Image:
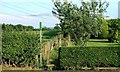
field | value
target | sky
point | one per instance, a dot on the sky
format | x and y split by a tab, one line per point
31	12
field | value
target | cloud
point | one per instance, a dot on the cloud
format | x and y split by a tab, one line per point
40	14
28	20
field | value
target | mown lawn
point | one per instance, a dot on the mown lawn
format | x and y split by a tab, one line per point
101	43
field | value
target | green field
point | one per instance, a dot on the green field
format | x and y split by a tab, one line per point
101	43
48	35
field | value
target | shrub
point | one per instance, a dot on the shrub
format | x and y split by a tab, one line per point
20	48
113	25
75	57
105	29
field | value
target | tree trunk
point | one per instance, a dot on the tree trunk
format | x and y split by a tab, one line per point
60	40
9	62
69	40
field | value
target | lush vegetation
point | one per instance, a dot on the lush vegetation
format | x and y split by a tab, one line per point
114	27
19	27
93	43
20	48
76	57
80	23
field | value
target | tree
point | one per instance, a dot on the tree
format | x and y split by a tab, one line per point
105	31
81	22
119	29
19	27
113	30
46	28
57	27
3	26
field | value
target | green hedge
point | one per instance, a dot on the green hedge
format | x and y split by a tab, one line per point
73	57
20	48
19	27
114	26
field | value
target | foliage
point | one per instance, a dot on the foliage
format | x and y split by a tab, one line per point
19	27
50	34
81	22
75	57
119	29
57	27
20	48
46	29
105	29
113	29
54	54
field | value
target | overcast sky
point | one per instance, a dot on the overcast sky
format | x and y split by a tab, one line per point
31	12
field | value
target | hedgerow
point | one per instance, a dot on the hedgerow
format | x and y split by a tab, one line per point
75	57
113	25
19	27
20	48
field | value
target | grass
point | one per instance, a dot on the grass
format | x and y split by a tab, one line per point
101	43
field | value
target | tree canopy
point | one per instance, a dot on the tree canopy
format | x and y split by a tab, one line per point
80	22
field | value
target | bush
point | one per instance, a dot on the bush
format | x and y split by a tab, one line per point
113	25
75	57
20	48
105	29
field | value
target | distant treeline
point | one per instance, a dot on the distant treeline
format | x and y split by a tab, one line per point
19	27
